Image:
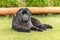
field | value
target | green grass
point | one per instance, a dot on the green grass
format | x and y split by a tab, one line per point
6	33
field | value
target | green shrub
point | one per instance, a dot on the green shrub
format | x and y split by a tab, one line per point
56	2
42	3
8	3
36	3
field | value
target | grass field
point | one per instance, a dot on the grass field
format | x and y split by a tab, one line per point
6	33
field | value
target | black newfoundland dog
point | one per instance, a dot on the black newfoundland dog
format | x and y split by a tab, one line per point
23	22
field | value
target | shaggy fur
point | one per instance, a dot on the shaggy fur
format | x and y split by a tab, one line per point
38	24
22	21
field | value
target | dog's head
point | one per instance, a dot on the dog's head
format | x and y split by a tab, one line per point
24	14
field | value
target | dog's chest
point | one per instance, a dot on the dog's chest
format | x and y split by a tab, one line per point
26	26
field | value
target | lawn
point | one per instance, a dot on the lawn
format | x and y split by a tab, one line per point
6	33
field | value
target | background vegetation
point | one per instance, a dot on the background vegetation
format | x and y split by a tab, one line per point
37	2
43	2
8	3
12	3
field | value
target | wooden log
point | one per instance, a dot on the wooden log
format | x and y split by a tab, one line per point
34	10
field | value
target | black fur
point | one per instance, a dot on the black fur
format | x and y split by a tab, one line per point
38	24
47	26
22	21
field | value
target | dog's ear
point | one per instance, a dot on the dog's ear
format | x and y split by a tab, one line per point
19	12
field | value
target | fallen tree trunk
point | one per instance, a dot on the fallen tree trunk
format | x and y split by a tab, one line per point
34	10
